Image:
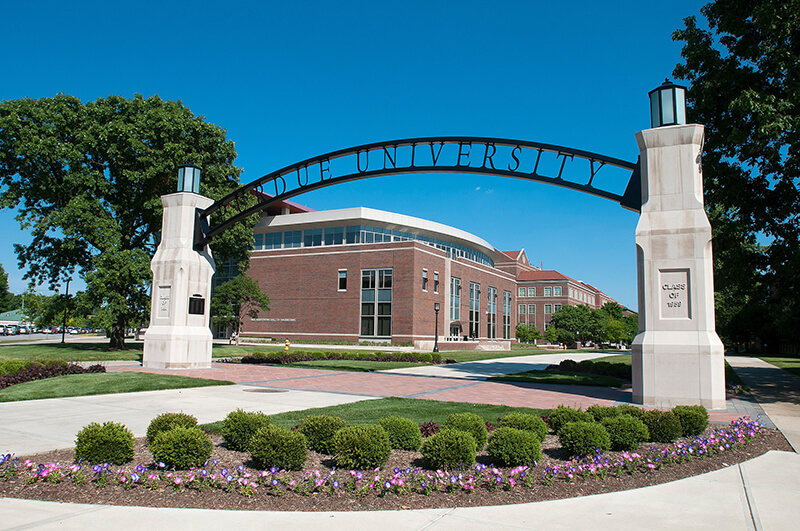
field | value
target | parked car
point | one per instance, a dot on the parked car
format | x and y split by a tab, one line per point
3	330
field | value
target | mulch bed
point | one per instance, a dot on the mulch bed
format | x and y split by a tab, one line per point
262	500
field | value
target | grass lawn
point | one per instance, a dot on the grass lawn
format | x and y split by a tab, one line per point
791	365
371	411
100	352
100	384
562	378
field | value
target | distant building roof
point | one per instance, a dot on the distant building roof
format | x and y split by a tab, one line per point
14	316
512	254
549	274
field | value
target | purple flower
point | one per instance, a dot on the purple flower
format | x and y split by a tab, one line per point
335	484
275	482
273	469
387	485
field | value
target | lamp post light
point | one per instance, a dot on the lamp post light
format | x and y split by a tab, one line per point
436	333
66	301
667	105
189	178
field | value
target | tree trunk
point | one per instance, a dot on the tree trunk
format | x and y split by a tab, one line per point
117	336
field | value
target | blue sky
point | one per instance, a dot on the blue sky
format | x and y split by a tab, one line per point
291	80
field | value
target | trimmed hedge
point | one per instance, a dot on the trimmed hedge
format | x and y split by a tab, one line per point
527	422
693	419
239	427
182	447
514	447
361	447
664	426
599	412
14	372
603	368
319	431
403	433
584	438
449	449
285	358
626	432
167	421
272	446
107	443
564	414
470	423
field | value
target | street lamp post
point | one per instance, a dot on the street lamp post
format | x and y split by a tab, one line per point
66	300
436	333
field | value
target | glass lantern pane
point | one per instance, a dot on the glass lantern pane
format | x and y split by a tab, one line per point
668	107
680	105
655	115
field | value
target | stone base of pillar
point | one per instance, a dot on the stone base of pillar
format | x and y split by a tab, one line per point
170	347
674	368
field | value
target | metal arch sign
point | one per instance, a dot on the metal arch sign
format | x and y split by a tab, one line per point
546	163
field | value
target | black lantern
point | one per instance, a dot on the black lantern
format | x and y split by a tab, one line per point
436	333
667	105
189	178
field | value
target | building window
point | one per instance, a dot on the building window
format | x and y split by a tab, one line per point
292	238
532	309
258	242
343	280
548	308
334	236
523	309
556	307
376	302
436	282
520	292
531	292
506	315
557	291
273	240
474	309
312	238
491	313
455	299
424	280
548	292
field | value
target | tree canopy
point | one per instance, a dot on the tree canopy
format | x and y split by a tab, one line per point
86	180
6	297
744	76
236	299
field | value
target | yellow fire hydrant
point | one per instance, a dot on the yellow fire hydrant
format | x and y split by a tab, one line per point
286	347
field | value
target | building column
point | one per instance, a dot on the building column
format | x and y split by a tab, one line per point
677	356
179	336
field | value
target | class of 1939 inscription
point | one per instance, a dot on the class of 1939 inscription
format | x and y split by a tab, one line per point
674	299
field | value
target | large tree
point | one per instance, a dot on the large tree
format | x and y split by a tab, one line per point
6	297
235	300
744	75
86	180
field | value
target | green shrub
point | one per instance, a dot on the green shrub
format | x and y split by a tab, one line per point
319	431
167	421
182	447
663	426
527	422
436	357
583	438
240	426
424	357
563	414
626	432
599	412
633	411
514	447
361	447
449	449
273	446
470	423
693	419
403	433
109	443
14	366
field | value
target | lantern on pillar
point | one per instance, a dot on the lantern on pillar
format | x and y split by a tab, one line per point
667	105
189	178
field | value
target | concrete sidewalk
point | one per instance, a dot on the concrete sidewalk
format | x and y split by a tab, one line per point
763	493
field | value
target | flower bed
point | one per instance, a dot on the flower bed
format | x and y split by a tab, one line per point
229	481
29	371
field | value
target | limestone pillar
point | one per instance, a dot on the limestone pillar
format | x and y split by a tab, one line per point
179	336
677	356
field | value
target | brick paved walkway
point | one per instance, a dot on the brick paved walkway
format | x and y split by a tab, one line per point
380	384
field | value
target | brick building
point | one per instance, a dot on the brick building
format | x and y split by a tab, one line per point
365	274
